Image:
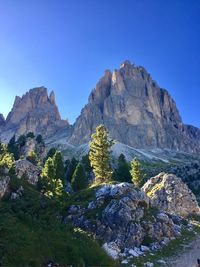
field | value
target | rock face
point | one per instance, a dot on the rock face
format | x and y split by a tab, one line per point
123	220
4	182
136	112
25	167
33	112
2	120
168	193
30	145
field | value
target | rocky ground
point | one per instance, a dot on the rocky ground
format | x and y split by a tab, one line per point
133	224
189	257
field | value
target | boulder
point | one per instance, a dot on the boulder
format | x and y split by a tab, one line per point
112	250
169	194
25	168
32	145
120	216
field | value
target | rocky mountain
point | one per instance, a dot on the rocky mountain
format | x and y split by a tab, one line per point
33	112
136	112
2	120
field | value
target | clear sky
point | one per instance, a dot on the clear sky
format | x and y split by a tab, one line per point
66	46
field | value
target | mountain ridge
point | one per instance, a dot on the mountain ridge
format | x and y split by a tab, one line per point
134	109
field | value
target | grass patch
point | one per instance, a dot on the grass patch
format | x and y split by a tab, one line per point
32	232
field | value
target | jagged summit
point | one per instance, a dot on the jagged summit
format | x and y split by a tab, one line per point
132	106
136	112
35	111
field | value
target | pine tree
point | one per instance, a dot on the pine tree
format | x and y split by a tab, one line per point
13	148
59	166
30	135
71	168
6	158
86	163
122	172
39	139
48	171
21	140
79	178
51	152
136	173
99	154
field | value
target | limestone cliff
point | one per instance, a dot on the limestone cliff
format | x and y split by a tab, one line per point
136	112
33	112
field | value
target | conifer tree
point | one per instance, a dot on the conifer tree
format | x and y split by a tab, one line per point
122	172
99	154
49	183
136	173
79	178
59	166
13	148
71	168
51	152
6	158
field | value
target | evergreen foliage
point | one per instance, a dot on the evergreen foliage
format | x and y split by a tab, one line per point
51	152
32	157
86	163
122	172
59	166
21	140
71	168
6	158
14	148
137	173
99	154
39	139
79	178
49	184
32	233
30	135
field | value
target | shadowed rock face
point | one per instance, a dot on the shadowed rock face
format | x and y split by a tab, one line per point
2	120
33	112
136	112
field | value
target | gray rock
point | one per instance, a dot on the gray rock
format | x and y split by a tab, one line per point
25	168
136	112
168	193
133	253
162	262
124	261
148	264
33	112
121	219
112	250
145	248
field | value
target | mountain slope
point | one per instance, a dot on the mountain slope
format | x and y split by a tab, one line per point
33	112
136	112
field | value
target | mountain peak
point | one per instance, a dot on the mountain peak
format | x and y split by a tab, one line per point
126	63
136	112
34	112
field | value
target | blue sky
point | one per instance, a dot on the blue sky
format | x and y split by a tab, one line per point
66	46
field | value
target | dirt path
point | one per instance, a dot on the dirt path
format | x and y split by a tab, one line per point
189	257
